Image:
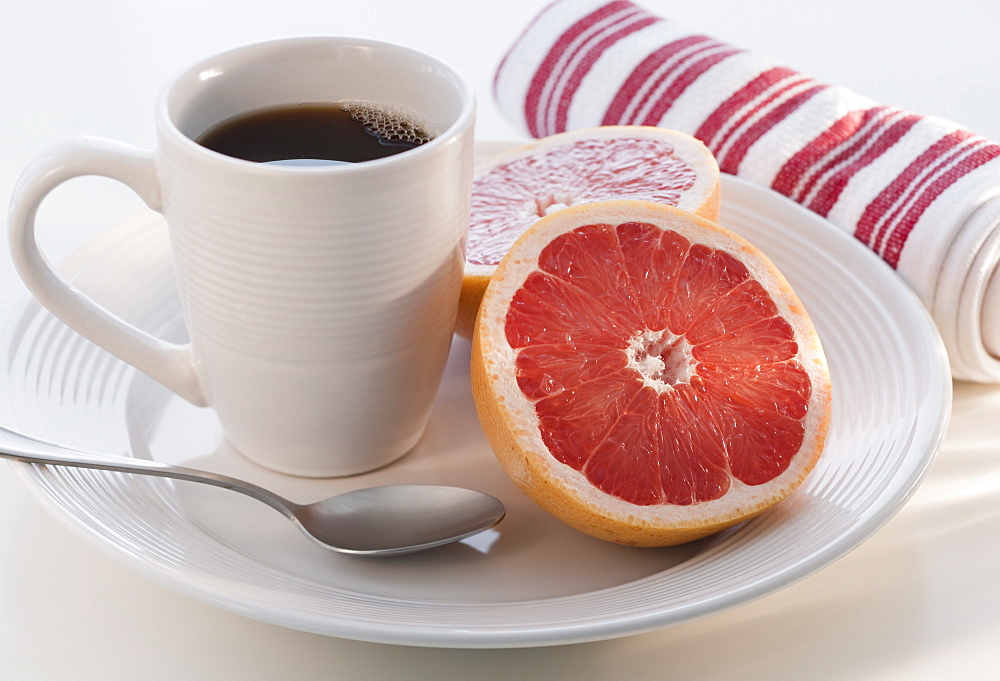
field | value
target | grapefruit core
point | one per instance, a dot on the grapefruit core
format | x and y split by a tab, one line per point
646	375
514	189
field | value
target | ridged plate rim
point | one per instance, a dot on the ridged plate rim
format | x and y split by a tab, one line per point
904	370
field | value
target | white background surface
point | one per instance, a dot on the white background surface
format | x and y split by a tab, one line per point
918	601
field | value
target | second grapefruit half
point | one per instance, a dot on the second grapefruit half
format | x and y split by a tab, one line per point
512	190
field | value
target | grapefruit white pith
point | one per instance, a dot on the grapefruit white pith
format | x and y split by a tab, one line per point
512	190
646	375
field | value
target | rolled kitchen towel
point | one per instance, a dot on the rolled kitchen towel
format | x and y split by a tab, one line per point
920	191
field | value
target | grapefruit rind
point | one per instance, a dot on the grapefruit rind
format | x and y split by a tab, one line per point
512	428
702	198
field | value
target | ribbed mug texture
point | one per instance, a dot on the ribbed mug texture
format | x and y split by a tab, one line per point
320	301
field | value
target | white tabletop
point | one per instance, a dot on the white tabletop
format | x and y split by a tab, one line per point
919	600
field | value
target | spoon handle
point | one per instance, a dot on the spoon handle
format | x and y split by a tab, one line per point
20	447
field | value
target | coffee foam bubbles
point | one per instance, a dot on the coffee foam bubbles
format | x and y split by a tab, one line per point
391	124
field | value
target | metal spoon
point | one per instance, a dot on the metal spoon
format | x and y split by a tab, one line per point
376	521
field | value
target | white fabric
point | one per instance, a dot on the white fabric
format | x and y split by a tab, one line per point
922	192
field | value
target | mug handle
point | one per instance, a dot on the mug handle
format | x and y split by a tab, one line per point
169	363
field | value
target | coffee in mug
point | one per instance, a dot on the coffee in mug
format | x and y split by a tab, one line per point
319	133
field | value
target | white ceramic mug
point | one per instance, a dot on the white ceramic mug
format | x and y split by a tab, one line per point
320	301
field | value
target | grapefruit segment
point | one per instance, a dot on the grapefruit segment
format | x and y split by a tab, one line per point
514	189
551	310
646	375
766	340
545	370
574	422
653	260
743	305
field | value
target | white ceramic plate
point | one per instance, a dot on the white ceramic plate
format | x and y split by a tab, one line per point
532	581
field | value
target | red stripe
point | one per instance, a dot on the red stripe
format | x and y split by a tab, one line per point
520	39
681	83
746	94
640	76
830	191
735	126
940	165
584	65
902	231
806	158
881	204
533	102
730	163
870	124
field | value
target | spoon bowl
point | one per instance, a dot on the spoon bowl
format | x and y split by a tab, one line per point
373	521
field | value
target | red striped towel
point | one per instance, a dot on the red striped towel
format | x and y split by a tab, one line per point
920	191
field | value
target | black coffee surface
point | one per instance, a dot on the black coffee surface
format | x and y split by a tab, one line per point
316	134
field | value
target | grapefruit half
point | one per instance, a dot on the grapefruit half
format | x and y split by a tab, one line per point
514	189
646	375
